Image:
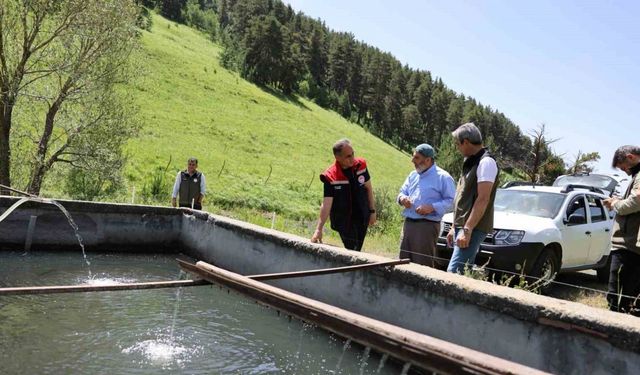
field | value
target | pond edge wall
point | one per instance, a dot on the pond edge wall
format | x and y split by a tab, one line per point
545	333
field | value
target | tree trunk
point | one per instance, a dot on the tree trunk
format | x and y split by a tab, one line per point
42	166
5	146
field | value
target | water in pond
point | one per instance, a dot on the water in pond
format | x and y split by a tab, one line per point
195	330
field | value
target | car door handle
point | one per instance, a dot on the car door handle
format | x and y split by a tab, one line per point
606	230
588	232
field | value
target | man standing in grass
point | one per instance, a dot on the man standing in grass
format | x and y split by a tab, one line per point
426	195
348	198
473	205
624	279
190	187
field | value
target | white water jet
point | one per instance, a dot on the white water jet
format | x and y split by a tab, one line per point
64	211
365	359
347	345
405	368
383	360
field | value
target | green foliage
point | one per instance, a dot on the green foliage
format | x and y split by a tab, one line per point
172	9
270	58
232	55
387	210
157	187
511	280
70	107
449	158
97	183
203	20
582	161
145	21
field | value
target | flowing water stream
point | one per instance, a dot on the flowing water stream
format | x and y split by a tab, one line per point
64	211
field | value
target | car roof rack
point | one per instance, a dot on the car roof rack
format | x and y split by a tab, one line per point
571	187
518	183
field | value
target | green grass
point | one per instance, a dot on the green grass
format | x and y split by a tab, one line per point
191	106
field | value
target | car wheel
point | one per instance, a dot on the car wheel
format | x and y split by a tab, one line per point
604	272
545	269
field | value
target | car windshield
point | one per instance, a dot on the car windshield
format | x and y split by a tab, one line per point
597	180
526	202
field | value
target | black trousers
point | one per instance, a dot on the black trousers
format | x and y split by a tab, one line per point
624	282
353	237
196	206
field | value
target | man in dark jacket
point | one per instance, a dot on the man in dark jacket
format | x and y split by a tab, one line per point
624	279
189	187
348	198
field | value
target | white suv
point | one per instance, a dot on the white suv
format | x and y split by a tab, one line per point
542	230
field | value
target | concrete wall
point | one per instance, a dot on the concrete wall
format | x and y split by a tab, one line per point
541	332
545	333
102	226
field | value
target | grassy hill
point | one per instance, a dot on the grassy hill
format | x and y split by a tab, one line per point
272	147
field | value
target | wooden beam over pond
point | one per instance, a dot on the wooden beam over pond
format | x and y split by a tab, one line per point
419	350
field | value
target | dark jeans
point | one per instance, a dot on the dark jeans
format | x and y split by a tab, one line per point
624	279
353	237
196	206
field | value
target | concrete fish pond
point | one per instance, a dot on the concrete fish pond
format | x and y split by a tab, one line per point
396	318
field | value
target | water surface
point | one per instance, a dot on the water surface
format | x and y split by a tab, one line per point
193	330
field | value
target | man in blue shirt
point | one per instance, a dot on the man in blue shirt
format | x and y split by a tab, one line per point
426	195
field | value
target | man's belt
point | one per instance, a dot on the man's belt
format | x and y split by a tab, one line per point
421	220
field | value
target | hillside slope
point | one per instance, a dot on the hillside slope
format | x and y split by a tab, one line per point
272	148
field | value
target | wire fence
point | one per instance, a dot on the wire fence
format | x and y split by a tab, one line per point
538	280
304	226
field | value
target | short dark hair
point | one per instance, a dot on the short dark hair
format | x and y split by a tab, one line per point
192	160
339	145
622	153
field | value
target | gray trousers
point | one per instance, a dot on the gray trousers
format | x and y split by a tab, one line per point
418	241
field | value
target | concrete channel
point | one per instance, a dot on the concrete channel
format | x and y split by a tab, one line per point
544	333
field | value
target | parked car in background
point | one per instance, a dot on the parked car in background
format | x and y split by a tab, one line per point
542	230
614	184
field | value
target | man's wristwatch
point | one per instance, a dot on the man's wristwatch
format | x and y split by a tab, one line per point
466	230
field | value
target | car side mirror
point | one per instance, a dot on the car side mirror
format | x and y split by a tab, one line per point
576	219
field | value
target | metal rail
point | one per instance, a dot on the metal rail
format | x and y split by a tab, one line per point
420	350
179	283
326	271
98	288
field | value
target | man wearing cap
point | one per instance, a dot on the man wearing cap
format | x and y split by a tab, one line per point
348	198
190	186
426	195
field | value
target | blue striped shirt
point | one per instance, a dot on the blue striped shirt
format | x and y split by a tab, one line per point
434	186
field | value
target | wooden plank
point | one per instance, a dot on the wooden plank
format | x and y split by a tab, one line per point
99	288
420	350
326	271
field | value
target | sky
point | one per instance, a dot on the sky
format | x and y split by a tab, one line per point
571	65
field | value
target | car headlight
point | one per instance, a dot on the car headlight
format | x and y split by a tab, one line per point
508	237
